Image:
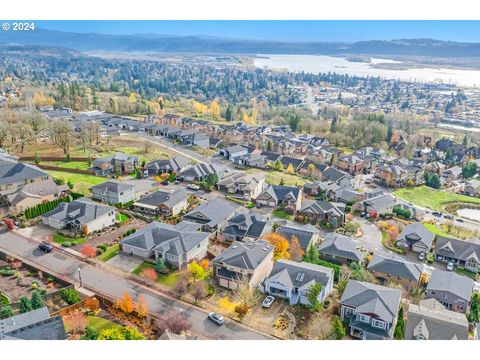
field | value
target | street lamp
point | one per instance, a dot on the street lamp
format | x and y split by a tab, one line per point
80	277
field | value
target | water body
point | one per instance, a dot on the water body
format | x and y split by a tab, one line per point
323	64
472	214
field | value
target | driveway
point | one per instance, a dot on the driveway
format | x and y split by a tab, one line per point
125	262
38	232
371	238
142	186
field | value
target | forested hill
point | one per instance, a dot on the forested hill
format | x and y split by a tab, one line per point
199	44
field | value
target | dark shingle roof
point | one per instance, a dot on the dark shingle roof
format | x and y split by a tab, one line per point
245	255
450	281
397	266
341	246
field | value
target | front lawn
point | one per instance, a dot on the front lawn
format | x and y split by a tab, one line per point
435	230
282	214
168	280
464	272
81	182
109	253
122	218
60	239
427	197
100	324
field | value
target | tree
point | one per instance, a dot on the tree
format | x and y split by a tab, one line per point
204	264
312	255
131	333
10	225
469	170
389	133
342	284
333	124
281	245
244	293
150	274
293	121
141	306
199	291
290	169
313	293
160	266
177	323
196	271
92	304
37	301
180	287
432	180
338	328
215	110
229	113
62	134
36	159
89	250
75	322
311	169
90	334
474	315
25	135
281	182
277	165
399	332
125	303
6	312
25	305
118	333
295	250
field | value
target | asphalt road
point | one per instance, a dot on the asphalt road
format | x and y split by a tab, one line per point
102	281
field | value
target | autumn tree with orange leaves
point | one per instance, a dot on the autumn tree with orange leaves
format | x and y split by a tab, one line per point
125	303
141	307
89	250
150	274
281	245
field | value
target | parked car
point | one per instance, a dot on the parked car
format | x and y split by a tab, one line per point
368	181
448	217
45	247
460	220
436	213
421	256
166	182
268	301
193	187
450	266
216	318
177	182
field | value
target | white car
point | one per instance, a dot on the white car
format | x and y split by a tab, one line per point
450	266
268	301
193	187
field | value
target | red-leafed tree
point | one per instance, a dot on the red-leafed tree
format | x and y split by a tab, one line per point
9	224
89	250
177	323
150	274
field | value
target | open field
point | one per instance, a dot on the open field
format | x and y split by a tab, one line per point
274	177
81	183
433	199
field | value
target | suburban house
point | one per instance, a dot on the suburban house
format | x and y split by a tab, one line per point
80	216
246	227
416	237
351	164
291	280
212	215
175	164
35	193
177	244
465	254
340	249
163	202
395	269
250	261
118	163
113	192
199	172
472	187
398	176
307	235
377	205
370	310
452	174
247	186
324	212
339	177
194	138
283	196
452	290
33	325
234	151
429	320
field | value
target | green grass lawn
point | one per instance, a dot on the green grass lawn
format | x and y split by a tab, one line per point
122	218
60	239
81	165
81	183
274	177
168	280
435	230
464	272
427	197
282	214
100	324
109	253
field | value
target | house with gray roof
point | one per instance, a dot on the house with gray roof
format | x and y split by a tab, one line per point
247	186
370	310
292	280
340	249
194	138
430	320
452	290
246	227
465	254
80	216
472	187
163	202
119	163
394	268
234	151
176	164
33	325
323	212
283	196
177	244
212	215
339	177
416	237
200	171
377	205
250	261
113	192
307	234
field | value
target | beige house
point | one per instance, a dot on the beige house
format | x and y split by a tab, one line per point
33	194
248	186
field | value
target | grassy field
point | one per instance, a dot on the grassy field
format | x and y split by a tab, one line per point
60	239
433	199
273	177
168	280
109	253
81	183
435	230
100	324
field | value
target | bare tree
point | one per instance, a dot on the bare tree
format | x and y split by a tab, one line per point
25	135
245	294
199	290
176	323
36	120
180	287
92	129
62	134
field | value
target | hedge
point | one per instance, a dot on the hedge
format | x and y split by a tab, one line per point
41	209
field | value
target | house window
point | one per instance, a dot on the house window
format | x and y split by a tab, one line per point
378	324
347	311
364	318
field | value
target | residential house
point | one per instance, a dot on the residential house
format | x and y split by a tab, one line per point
176	164
307	235
324	212
113	192
234	151
212	215
35	193
163	202
312	169
292	280
398	176
200	171
394	268
472	187
351	164
246	227
416	237
339	249
337	176
177	244
377	205
194	138
452	174
290	161
430	320
118	163
452	290
464	254
247	186
250	261
80	216
283	196
435	167
369	310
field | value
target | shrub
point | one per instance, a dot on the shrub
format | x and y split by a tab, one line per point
67	244
7	272
89	250
103	247
100	251
25	305
241	309
90	334
70	296
159	266
37	301
6	312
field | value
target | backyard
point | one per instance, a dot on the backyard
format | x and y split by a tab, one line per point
81	183
433	199
274	177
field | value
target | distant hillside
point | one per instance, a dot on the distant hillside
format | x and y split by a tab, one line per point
199	44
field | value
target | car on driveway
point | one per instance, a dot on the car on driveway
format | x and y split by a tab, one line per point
450	266
421	256
268	301
193	187
460	220
45	247
216	318
448	217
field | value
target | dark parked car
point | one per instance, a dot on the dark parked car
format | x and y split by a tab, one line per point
165	182
45	247
216	318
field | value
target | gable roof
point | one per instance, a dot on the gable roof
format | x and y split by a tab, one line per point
174	164
12	172
397	266
80	211
168	198
417	233
304	233
248	255
279	193
113	186
321	207
254	223
449	281
458	249
300	274
37	189
214	212
333	174
341	246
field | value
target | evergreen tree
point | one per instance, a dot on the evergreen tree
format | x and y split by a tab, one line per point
229	113
6	312
399	332
25	305
37	301
333	124
389	133
312	255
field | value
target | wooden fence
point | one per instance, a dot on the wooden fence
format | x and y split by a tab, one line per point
54	158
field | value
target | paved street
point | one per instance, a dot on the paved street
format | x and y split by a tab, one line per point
102	281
